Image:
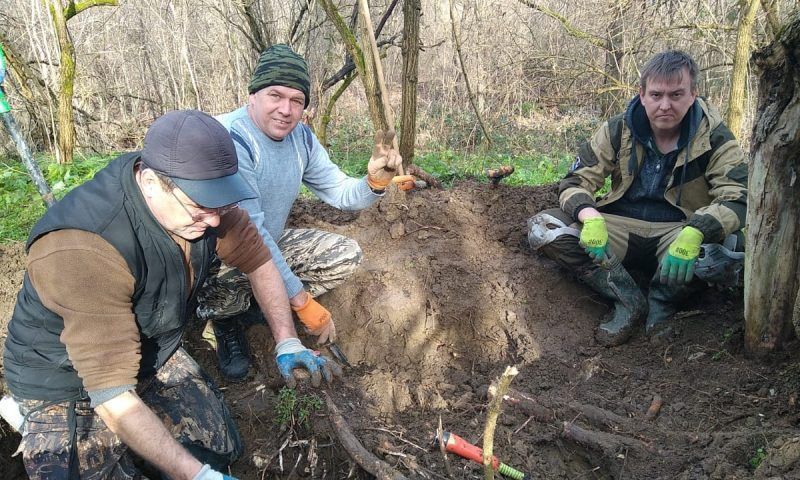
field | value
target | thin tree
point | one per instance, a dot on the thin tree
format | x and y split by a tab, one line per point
412	9
772	265
360	57
744	35
66	72
467	85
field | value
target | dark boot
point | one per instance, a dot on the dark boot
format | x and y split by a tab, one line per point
663	301
615	283
231	348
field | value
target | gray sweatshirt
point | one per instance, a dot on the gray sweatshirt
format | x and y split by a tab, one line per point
275	170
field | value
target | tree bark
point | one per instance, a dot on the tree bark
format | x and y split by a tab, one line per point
380	106
66	79
744	35
325	117
412	9
66	71
772	265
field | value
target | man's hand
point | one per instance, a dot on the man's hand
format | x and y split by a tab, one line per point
384	162
317	319
207	473
678	265
291	354
594	238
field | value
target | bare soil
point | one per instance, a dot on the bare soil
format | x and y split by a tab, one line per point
449	294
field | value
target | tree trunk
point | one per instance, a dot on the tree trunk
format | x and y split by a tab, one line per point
66	71
66	85
408	114
744	35
380	108
772	265
325	117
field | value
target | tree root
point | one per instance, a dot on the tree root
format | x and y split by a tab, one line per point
365	459
608	443
423	175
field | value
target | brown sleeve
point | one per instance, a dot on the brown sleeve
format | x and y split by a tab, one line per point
85	280
239	243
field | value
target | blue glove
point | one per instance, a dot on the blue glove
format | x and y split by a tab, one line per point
291	354
207	473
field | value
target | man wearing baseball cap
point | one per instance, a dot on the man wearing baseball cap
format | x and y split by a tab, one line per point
277	155
93	354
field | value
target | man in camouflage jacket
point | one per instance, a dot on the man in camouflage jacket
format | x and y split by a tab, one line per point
678	179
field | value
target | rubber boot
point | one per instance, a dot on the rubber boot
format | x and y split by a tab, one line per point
615	283
231	348
663	303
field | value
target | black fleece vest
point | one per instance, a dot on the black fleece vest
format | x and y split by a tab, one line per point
36	363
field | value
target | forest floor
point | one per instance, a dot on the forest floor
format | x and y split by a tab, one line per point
448	295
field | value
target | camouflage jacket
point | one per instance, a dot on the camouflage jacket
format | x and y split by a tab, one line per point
708	182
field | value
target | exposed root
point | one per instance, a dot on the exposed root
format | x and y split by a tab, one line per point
608	443
356	450
423	175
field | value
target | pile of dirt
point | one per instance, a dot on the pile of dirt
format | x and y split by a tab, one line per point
448	295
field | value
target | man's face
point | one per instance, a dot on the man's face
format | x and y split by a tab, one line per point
666	102
175	211
276	110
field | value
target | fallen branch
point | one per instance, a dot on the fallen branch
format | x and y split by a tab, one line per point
356	450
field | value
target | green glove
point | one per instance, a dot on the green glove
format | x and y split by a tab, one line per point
678	265
594	238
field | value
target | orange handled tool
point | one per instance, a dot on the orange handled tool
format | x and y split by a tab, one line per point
455	444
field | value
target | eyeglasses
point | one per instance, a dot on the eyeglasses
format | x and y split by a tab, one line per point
206	213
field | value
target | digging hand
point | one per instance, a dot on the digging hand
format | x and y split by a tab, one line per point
291	354
385	161
316	319
594	238
677	267
207	473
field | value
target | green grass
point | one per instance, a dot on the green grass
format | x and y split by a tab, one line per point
757	457
293	409
449	166
21	203
23	206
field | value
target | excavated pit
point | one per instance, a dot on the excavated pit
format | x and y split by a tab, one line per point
448	295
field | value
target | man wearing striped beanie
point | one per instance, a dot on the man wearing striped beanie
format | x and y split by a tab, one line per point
277	154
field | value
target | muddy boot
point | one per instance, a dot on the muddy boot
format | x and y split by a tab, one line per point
616	284
231	348
663	303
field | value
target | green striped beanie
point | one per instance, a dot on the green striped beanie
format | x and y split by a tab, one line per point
280	65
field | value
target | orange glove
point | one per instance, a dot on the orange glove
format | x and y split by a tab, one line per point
385	161
317	319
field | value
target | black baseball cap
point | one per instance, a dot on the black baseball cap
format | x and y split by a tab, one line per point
197	153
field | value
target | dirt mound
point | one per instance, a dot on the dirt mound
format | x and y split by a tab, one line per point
447	296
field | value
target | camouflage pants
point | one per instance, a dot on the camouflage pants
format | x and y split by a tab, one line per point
635	242
180	394
321	260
